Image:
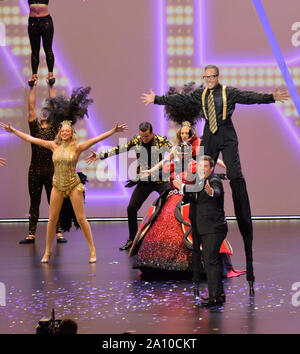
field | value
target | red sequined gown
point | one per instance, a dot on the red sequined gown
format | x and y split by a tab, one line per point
163	244
161	241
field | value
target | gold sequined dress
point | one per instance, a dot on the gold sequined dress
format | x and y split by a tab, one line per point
65	177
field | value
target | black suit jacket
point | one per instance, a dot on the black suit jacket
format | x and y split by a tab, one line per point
207	213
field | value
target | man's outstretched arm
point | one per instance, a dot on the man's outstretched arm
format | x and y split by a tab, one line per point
251	97
178	99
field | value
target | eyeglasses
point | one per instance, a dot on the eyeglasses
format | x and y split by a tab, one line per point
210	77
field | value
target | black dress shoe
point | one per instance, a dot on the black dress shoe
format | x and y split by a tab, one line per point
221	298
212	303
27	241
127	245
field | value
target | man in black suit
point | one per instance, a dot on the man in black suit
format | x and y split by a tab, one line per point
209	228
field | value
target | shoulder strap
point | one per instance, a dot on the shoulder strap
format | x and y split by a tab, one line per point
224	102
203	103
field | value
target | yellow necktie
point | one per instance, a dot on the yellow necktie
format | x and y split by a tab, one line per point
212	113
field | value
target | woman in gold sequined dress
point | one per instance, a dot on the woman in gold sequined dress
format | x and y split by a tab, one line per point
66	182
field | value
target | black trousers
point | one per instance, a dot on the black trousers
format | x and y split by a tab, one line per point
139	195
41	28
225	140
36	181
211	244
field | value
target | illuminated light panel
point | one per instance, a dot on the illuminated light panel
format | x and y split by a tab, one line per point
19	51
254	74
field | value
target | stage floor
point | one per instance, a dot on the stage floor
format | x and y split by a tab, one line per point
109	297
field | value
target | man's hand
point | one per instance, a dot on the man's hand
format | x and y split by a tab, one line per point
208	188
281	95
177	183
148	98
92	158
145	173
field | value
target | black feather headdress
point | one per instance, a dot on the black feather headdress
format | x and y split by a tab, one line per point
61	108
190	113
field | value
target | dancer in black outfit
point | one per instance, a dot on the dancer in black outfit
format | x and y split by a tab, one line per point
154	146
40	26
41	167
217	103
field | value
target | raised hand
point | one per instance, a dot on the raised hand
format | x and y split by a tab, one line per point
208	188
92	158
120	128
145	173
148	98
177	183
281	95
2	162
6	127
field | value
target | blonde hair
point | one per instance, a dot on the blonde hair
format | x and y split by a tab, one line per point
58	139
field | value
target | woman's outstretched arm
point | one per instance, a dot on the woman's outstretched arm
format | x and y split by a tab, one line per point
87	144
44	143
2	162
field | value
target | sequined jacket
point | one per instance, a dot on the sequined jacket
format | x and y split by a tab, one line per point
160	146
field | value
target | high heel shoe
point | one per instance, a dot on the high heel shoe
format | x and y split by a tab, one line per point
93	259
51	80
32	81
46	258
27	240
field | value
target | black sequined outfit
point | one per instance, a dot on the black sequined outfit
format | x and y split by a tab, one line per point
41	27
40	172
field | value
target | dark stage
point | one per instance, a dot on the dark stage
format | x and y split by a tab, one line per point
109	297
